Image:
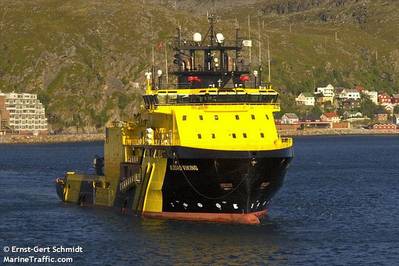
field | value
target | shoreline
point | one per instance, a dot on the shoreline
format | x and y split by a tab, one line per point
70	138
51	139
338	132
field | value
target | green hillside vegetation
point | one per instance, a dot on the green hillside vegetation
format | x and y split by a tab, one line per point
84	57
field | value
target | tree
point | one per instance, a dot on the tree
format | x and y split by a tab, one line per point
287	103
329	107
316	111
367	107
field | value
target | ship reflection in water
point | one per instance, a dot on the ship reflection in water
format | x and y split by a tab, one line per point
339	206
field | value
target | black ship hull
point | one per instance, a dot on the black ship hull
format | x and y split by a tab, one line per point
199	185
233	186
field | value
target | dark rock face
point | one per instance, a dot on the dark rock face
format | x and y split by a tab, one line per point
360	14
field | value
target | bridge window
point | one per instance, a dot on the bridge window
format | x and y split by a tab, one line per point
216	117
199	136
213	135
201	117
253	117
244	135
262	135
184	118
234	135
237	117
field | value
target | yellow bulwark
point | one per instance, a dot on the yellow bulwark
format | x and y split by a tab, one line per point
153	198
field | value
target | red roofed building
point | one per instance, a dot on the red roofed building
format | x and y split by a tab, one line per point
384	99
381	117
395	99
360	89
385	126
330	117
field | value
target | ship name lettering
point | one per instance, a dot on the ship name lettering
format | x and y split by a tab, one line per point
175	167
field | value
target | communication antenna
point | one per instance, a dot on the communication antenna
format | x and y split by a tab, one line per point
259	43
211	19
249	38
153	65
166	64
237	28
268	59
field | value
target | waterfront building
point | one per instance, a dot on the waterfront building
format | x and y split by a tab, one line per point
290	119
305	98
313	121
332	117
385	127
341	125
4	115
26	113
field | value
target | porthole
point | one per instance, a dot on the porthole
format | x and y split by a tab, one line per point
184	118
201	117
267	117
213	135
199	136
253	117
216	117
262	135
234	135
237	117
244	135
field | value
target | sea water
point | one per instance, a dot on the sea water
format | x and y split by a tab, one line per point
339	205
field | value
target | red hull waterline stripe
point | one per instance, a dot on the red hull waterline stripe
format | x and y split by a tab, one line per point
245	218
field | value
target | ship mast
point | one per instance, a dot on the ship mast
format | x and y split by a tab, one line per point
209	62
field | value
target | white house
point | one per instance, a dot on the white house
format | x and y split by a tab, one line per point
373	95
389	108
326	91
350	94
352	114
306	99
396	119
325	94
289	119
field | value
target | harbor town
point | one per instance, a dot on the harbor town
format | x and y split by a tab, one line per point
336	110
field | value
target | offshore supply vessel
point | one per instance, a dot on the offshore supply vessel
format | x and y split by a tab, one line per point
204	148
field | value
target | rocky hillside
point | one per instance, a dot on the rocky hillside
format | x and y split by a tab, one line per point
85	57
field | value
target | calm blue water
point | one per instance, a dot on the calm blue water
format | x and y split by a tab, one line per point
339	205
